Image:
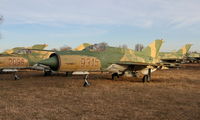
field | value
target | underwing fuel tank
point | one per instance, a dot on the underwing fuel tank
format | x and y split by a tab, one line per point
65	63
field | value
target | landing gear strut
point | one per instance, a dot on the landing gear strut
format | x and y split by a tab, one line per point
114	76
69	74
86	83
16	77
147	78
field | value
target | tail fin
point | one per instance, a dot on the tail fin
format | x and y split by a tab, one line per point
153	48
185	49
39	46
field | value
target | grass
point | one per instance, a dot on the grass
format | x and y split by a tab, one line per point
172	94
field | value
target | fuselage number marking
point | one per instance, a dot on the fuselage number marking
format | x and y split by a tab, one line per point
89	62
16	61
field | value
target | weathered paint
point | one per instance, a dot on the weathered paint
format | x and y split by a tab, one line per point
82	46
15	50
194	55
73	60
185	49
180	54
153	49
130	55
79	63
21	57
11	62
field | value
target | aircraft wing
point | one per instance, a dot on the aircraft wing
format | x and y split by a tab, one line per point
15	69
136	63
172	59
132	66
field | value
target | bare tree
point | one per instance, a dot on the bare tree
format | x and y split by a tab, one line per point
1	20
65	48
102	46
124	46
54	49
194	52
99	47
139	47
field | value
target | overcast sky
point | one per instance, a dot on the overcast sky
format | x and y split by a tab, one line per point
72	22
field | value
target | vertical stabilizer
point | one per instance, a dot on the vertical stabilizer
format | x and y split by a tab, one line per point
185	49
153	48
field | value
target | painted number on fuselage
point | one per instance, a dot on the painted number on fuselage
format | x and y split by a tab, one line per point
89	62
16	61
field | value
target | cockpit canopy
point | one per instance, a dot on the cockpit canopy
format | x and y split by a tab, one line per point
97	47
22	51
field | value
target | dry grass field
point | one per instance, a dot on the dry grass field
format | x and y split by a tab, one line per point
171	95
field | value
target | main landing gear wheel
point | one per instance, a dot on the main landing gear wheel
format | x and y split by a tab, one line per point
114	76
47	73
147	78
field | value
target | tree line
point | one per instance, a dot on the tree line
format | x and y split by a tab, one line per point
101	46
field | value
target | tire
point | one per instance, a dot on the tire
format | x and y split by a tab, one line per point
114	75
47	73
145	78
149	79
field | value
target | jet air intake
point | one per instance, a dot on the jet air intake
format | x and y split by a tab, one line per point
65	63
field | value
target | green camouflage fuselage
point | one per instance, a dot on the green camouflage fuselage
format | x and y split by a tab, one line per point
22	60
113	55
95	58
194	55
170	55
179	55
17	50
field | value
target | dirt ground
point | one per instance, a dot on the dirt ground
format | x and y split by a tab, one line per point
171	95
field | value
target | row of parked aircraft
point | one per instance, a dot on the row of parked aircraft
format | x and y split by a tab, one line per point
95	58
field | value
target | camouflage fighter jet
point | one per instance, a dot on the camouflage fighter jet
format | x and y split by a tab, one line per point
193	57
118	61
173	59
20	59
